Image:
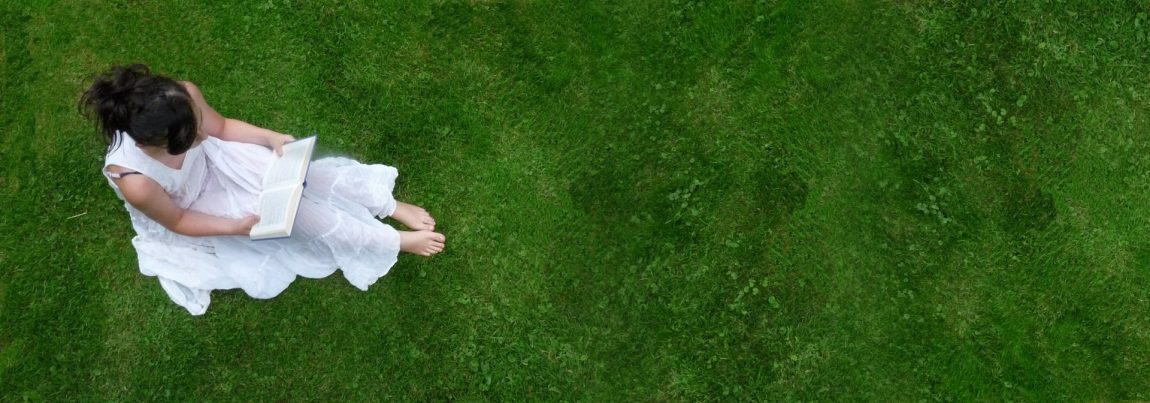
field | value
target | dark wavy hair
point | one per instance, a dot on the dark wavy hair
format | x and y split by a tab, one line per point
153	109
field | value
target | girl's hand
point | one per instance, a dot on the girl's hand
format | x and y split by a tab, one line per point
244	225
276	142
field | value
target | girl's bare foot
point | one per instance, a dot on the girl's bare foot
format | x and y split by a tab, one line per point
425	243
413	216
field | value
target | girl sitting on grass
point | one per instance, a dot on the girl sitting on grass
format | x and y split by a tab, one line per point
190	179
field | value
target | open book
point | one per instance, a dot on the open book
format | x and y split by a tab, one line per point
283	187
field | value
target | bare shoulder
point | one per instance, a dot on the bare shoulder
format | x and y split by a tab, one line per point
138	190
117	169
211	122
192	89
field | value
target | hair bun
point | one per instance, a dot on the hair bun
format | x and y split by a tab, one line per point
114	96
153	109
110	99
122	81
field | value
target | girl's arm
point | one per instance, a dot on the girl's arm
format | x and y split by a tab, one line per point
146	195
214	124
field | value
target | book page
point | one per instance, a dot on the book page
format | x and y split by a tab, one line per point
277	212
292	166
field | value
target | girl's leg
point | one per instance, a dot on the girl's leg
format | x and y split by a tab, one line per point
368	185
425	243
413	216
364	248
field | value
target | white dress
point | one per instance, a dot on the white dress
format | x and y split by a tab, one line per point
335	227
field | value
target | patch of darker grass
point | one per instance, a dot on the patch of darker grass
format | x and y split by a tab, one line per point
672	277
1027	206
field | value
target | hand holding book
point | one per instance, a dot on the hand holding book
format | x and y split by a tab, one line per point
244	225
276	142
283	188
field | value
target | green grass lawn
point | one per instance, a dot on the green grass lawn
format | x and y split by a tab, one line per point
644	200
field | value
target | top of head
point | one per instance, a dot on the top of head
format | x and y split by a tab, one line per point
155	110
